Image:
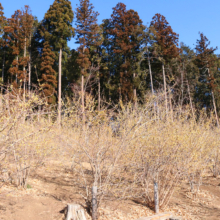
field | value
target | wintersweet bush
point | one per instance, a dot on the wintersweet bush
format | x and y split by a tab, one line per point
150	146
24	137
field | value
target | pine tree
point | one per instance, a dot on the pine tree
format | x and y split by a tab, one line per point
13	30
87	29
189	72
26	22
3	23
205	62
2	19
71	74
57	30
166	45
126	34
19	30
48	81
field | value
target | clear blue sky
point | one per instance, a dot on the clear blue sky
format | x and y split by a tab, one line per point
186	17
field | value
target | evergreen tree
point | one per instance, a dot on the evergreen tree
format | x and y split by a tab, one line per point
26	22
3	23
57	30
19	30
13	30
72	74
166	45
206	82
125	37
87	29
48	81
188	79
2	19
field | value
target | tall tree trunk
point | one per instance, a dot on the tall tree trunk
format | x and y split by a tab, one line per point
182	75
24	67
29	69
83	103
135	94
3	67
94	203
59	88
151	77
190	100
16	77
99	95
29	76
171	106
17	55
214	105
165	88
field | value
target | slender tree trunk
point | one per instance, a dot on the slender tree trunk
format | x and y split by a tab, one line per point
83	101
16	77
156	197
171	106
29	77
24	67
135	94
3	67
17	56
59	88
29	69
165	88
182	72
94	203
190	100
99	95
214	105
151	77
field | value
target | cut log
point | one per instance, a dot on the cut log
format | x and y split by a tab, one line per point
162	216
75	212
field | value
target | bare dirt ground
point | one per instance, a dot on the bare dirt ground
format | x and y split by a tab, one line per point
51	187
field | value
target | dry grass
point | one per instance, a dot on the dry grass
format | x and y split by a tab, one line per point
147	146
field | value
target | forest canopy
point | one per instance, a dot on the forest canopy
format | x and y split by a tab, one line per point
120	59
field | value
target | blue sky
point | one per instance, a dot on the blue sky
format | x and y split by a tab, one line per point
186	17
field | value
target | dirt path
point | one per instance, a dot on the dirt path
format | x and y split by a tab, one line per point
51	189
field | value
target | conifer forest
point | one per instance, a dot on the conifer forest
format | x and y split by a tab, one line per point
129	116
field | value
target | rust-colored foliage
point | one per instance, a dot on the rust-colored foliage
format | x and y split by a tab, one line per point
2	19
87	29
165	38
126	34
48	81
19	30
13	31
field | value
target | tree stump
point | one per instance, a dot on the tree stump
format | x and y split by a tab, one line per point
75	212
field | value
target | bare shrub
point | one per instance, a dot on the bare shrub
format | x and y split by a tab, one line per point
23	141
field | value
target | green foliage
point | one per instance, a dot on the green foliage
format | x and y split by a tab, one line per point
87	33
205	60
57	24
114	57
123	35
29	186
